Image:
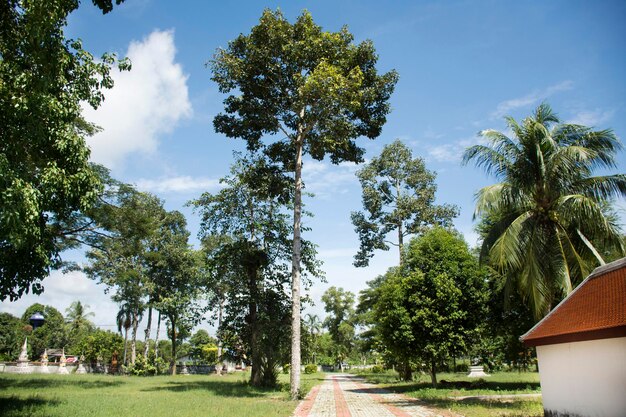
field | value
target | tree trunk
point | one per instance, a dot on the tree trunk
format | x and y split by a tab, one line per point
433	372
220	363
400	231
156	339
295	273
407	372
133	342
147	334
173	361
125	344
255	372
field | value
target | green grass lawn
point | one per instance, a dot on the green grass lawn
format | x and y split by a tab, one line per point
448	395
161	396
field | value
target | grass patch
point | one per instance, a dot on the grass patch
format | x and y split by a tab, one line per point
161	396
453	388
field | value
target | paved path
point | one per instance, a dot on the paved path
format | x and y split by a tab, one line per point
350	396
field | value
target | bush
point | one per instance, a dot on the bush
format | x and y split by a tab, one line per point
286	368
141	367
377	369
310	369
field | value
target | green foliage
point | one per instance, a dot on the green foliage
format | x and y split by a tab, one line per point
398	195
310	369
548	218
10	331
378	369
98	345
286	368
141	367
298	79
45	177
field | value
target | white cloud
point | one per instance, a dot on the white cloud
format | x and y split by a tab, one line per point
325	179
451	152
145	103
592	118
180	184
533	98
63	289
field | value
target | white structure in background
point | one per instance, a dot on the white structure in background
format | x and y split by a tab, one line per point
476	371
22	361
44	362
581	348
62	368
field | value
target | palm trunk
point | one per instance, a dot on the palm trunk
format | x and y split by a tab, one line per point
133	342
295	273
147	333
125	344
156	339
220	364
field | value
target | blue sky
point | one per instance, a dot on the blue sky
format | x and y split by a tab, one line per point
463	65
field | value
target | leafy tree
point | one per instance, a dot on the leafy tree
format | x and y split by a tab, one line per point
398	194
45	177
119	259
430	309
340	321
313	325
549	214
318	89
10	332
98	345
201	347
175	275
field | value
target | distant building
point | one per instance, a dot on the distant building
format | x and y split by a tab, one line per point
581	348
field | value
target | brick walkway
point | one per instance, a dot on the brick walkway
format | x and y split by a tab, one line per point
350	396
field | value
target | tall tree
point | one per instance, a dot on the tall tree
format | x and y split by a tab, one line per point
174	272
549	214
318	89
340	320
249	219
119	259
45	177
398	194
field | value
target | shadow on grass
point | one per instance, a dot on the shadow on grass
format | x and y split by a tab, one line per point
42	383
16	406
218	388
495	387
447	403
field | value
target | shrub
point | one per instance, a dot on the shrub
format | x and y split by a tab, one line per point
286	368
377	369
310	369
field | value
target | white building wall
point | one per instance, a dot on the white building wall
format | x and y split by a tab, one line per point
584	379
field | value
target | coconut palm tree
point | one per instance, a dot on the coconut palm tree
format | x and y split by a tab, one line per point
125	321
77	316
314	325
548	217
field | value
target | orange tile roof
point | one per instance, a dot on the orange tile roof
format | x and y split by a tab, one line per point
596	309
